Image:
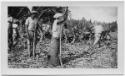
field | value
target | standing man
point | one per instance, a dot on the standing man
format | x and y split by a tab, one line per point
31	23
53	54
98	29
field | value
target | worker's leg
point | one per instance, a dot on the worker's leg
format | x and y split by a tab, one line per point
31	48
28	44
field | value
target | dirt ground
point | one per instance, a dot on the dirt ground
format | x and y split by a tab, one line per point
73	55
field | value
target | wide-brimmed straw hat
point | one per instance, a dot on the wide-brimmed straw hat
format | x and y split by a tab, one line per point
34	12
57	15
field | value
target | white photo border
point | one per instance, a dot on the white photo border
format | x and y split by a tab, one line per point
54	71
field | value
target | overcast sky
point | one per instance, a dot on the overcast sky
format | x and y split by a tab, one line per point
98	13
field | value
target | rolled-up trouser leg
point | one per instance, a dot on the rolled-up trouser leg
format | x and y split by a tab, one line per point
97	37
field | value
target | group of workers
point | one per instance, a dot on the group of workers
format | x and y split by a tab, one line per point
31	23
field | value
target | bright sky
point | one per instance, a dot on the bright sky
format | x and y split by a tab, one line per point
98	13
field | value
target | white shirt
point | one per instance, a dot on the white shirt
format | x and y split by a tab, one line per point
56	30
31	23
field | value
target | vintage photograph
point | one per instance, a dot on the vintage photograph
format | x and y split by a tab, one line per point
62	37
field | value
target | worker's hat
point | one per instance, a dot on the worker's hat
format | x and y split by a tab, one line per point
57	15
34	12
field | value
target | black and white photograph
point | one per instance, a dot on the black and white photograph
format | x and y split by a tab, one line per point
62	36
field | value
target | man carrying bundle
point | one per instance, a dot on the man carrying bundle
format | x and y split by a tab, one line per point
98	29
